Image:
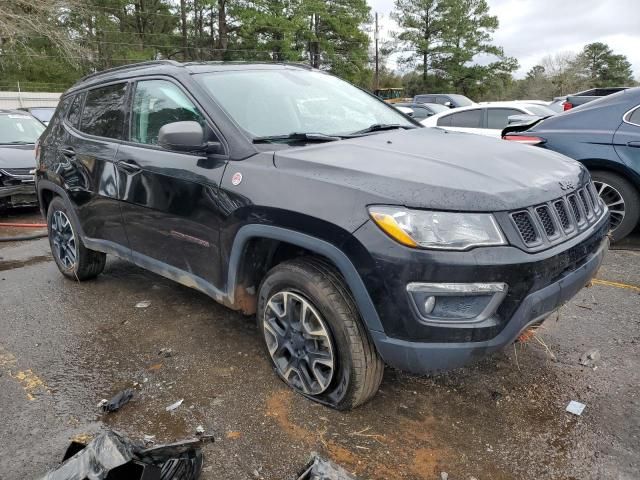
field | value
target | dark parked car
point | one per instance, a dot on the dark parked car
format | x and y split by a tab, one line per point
18	134
422	110
43	114
580	98
450	100
357	237
605	136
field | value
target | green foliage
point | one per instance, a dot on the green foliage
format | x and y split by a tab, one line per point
603	68
91	35
445	39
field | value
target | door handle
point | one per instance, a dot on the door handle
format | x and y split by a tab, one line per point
633	144
130	166
67	152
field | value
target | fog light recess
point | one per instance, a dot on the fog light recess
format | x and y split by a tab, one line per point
456	302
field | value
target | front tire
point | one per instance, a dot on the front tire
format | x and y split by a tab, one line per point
314	335
73	259
622	199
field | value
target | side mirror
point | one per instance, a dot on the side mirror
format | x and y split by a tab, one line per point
448	104
182	136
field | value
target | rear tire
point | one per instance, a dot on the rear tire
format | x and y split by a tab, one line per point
351	370
73	259
624	216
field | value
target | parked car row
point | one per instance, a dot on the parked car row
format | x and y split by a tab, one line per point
487	119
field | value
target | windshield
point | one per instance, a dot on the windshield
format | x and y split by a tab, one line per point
461	100
279	102
17	129
540	110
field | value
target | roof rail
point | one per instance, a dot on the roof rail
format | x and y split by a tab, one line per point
130	65
304	65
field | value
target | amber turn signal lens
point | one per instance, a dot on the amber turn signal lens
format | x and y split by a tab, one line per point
391	228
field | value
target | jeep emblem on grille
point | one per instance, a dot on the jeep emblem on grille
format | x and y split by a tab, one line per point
566	185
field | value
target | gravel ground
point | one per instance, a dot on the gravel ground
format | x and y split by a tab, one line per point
66	345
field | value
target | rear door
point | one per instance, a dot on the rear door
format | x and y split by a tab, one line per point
86	161
468	121
497	119
169	199
627	139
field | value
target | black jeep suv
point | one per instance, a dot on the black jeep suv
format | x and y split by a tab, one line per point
356	236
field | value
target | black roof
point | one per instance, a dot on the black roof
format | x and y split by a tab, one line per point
171	66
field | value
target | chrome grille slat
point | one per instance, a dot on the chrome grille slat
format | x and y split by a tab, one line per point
585	203
549	226
563	215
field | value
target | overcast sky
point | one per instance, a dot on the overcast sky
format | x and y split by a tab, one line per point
531	29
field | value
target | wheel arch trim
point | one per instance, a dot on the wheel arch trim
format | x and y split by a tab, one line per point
613	167
361	296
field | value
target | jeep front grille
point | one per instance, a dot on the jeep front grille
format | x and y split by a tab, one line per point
525	226
558	220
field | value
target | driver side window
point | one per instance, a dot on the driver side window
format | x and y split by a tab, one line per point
157	103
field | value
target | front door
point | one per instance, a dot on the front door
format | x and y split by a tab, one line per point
169	199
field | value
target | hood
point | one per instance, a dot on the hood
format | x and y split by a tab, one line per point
17	156
438	169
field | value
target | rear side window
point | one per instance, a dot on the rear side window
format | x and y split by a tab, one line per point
157	103
498	118
103	113
635	116
73	117
467	119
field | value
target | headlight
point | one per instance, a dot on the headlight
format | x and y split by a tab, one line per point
442	230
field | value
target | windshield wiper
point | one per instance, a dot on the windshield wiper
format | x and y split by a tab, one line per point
17	142
297	136
380	127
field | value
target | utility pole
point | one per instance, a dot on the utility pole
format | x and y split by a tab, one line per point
377	81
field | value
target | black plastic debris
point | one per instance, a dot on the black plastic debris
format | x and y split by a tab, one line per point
321	469
112	456
118	401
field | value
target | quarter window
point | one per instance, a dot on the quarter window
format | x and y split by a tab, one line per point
635	116
498	118
103	113
73	116
157	103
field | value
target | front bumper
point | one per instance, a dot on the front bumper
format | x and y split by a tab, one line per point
23	195
423	357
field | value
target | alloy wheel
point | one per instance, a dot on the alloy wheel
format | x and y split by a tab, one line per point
63	239
299	343
613	200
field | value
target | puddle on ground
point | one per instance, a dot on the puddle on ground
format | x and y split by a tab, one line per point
12	264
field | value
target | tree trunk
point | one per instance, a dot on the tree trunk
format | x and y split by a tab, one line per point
223	29
183	18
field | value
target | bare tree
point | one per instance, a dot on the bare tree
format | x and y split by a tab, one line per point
21	20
